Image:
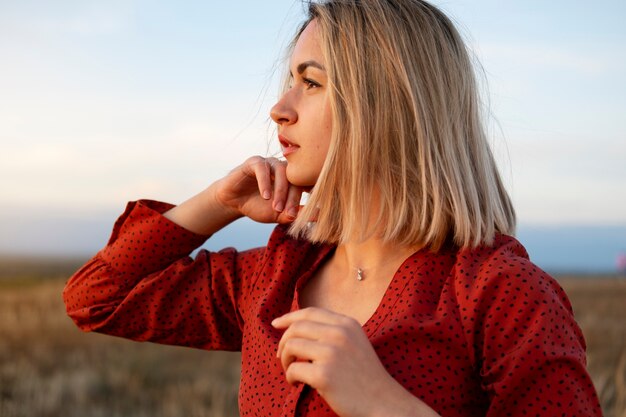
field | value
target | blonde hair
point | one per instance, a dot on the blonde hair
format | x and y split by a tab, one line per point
406	128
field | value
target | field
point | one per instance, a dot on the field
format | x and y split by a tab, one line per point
48	368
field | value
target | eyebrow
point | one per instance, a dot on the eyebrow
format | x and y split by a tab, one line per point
303	66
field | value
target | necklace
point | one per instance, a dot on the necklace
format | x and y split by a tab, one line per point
360	272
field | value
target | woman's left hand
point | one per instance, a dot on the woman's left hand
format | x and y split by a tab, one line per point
331	353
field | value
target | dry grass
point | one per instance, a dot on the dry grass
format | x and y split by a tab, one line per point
48	368
600	308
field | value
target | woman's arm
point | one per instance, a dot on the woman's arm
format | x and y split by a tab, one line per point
144	286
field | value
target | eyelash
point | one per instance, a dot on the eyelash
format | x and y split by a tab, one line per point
307	82
310	83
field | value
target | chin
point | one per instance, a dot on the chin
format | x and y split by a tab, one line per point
300	179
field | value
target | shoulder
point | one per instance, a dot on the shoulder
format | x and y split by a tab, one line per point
281	247
500	281
505	252
289	253
281	241
504	298
505	262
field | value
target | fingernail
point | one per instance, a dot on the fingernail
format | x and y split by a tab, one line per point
293	212
280	206
274	322
267	195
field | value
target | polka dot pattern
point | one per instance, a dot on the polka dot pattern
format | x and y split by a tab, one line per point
480	332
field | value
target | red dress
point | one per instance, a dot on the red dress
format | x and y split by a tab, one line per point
480	332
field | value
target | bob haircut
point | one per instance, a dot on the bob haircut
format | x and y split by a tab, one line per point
408	161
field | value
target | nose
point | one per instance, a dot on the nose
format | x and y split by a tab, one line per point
283	112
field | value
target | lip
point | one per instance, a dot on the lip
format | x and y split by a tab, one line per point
288	146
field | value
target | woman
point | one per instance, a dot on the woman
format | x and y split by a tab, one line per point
396	290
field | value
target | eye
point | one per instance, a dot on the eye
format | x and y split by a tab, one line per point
310	83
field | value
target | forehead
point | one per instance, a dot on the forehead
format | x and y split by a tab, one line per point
308	46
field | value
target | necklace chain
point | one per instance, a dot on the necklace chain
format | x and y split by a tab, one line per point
360	272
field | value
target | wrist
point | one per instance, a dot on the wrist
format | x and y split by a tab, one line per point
202	214
212	204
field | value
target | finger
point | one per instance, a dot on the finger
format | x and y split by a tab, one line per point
262	173
318	377
301	372
317	314
281	185
304	330
303	350
292	208
293	201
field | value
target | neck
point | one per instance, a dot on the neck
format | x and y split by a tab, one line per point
375	258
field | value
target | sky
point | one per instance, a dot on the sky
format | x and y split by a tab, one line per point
106	102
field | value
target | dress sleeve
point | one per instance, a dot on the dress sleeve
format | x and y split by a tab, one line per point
528	348
144	285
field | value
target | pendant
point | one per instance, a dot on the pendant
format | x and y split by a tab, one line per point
359	274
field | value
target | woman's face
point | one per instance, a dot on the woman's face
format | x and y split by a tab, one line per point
303	112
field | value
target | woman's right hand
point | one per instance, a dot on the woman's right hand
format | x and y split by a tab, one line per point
259	189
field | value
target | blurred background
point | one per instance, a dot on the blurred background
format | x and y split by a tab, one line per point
106	102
